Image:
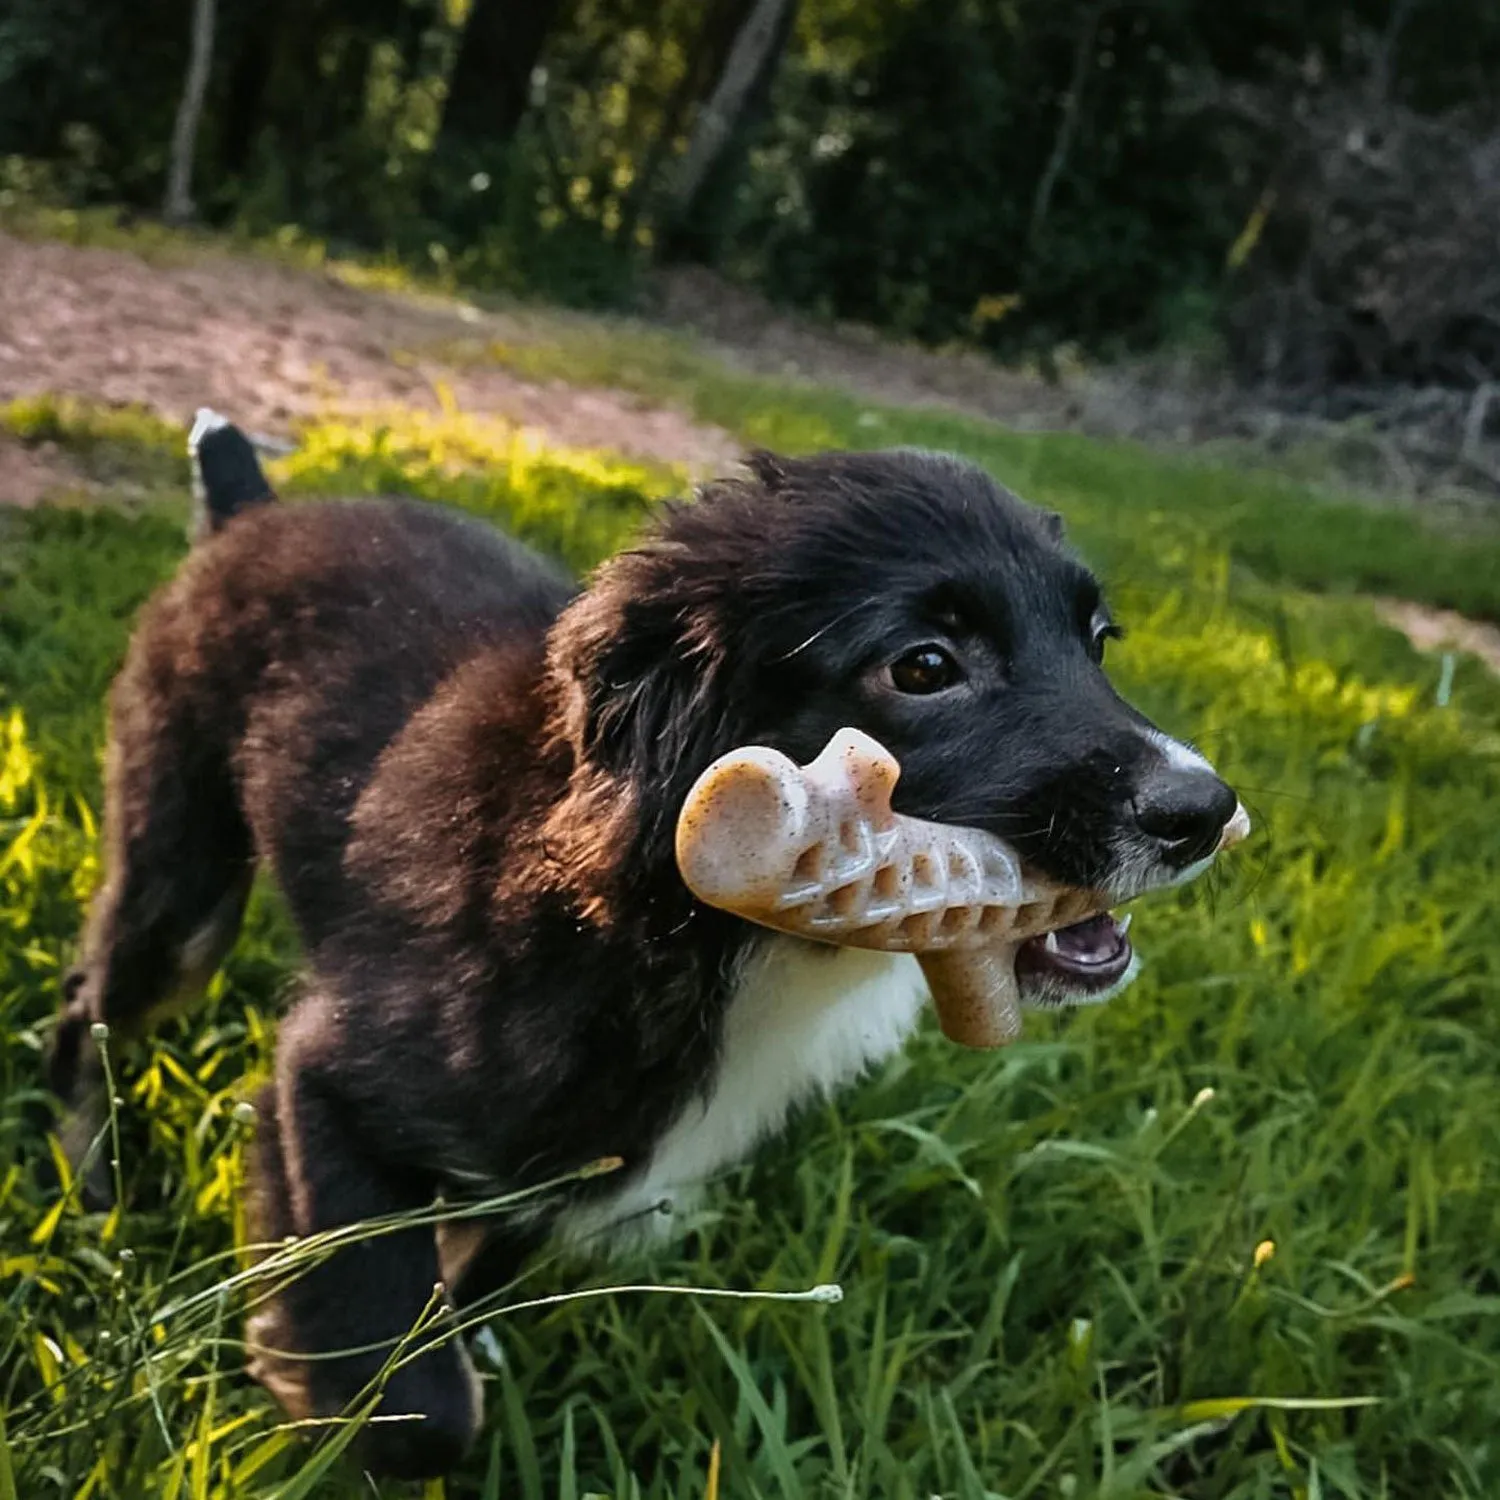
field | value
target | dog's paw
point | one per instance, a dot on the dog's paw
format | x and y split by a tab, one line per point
427	1417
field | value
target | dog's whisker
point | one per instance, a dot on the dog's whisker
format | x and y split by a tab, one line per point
1262	868
818	634
1271	791
984	818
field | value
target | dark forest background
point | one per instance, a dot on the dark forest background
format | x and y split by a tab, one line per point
1306	190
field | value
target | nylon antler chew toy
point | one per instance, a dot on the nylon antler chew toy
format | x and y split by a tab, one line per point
816	850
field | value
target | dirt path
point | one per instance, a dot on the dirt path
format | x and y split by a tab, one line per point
29	474
268	345
1431	629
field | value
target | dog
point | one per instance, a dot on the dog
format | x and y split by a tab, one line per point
464	769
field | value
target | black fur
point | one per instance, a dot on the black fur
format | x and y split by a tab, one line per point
465	774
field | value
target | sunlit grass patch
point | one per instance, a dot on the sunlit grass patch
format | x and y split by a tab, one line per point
108	228
33	217
128	447
578	505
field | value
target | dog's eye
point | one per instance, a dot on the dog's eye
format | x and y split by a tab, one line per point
1102	629
927	669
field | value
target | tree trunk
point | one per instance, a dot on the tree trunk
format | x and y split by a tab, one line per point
490	86
1383	64
716	32
1083	55
178	205
753	48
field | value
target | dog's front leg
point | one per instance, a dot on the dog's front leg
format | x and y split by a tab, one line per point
325	1340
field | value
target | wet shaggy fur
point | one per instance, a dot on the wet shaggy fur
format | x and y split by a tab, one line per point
464	773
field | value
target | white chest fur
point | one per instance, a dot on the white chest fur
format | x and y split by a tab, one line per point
804	1020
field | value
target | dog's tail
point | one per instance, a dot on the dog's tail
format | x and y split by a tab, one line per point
227	476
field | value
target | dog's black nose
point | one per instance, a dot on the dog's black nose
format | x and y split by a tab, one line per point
1186	811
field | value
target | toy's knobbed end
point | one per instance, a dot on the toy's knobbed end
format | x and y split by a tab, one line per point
743	827
852	760
975	994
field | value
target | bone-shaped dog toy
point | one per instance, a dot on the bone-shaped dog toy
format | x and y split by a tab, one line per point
816	850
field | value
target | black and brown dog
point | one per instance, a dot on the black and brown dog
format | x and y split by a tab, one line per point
464	772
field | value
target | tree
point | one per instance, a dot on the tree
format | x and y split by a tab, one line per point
178	205
754	51
1083	57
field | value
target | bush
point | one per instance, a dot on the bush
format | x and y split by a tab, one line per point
1377	260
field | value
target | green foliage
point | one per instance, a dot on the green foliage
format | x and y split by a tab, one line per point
901	176
531	233
65	94
1229	1236
1012	175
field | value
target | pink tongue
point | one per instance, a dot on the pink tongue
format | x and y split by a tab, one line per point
1091	941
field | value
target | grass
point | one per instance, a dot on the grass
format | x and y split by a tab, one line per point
104	227
129	449
1232	1236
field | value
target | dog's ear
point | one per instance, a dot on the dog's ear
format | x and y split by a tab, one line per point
641	676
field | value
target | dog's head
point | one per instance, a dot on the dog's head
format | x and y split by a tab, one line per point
907	595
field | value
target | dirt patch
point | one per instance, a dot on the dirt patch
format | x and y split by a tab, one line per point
268	345
1442	629
30	474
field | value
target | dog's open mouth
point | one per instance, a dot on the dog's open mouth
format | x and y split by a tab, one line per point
1082	960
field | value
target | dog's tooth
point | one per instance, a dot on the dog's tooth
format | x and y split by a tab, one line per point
1051	945
1125	921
